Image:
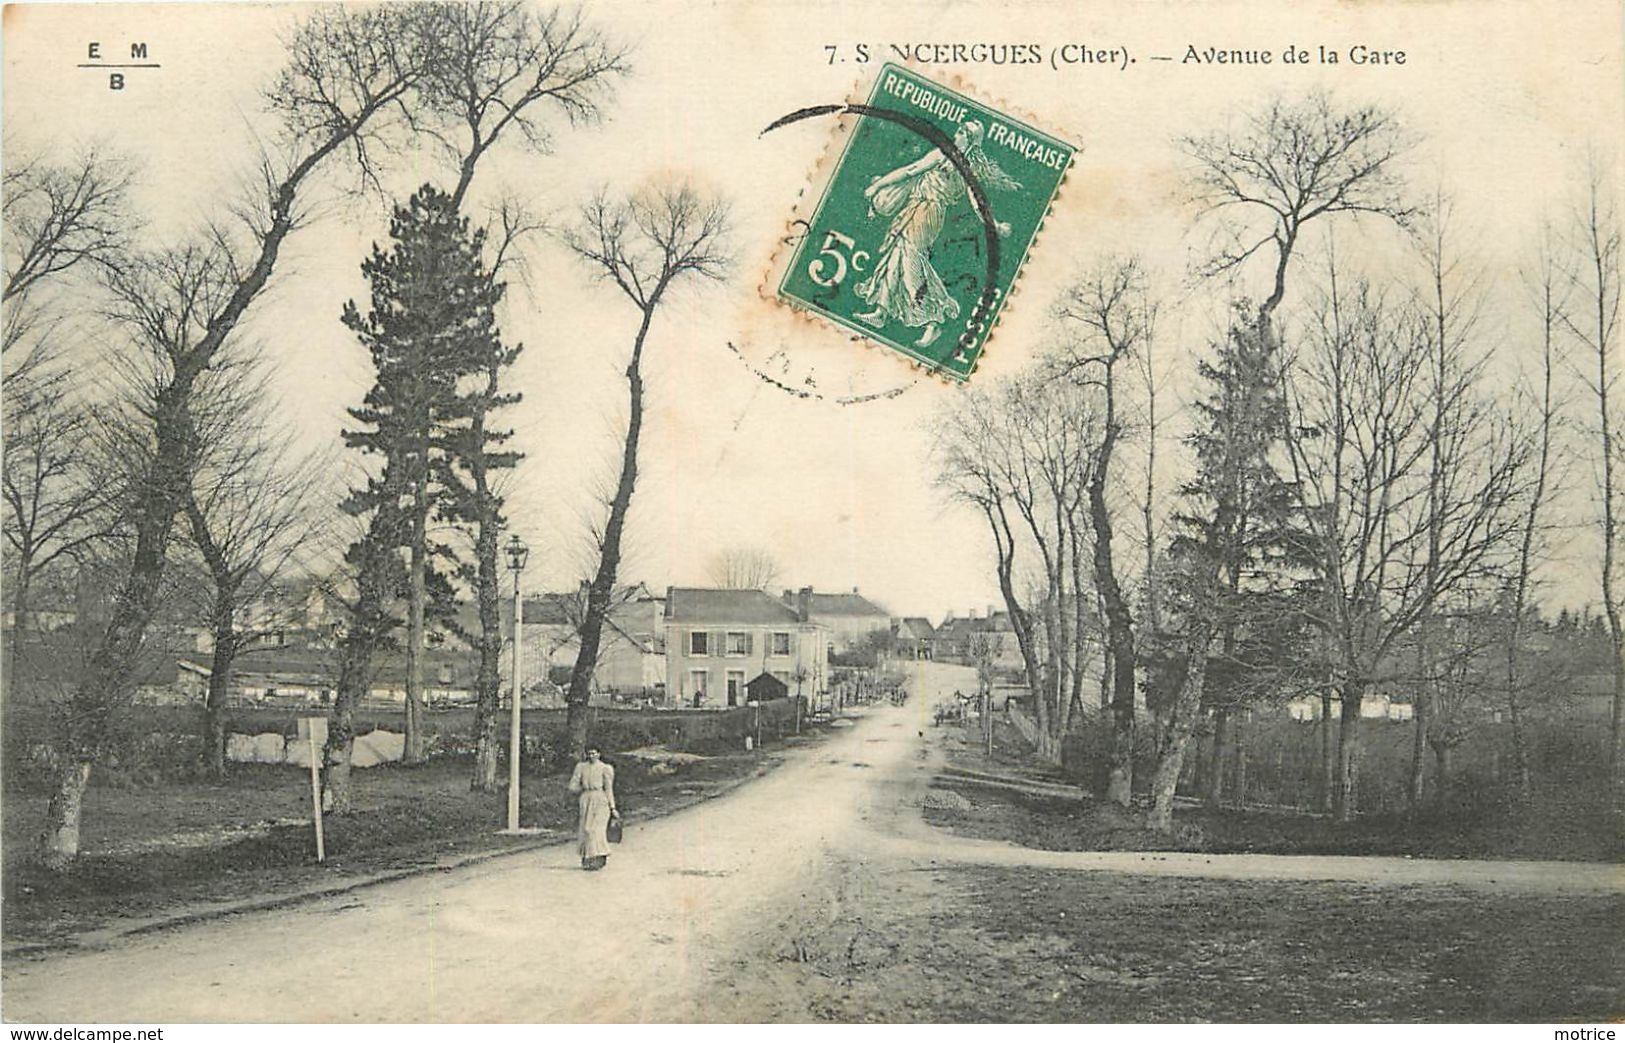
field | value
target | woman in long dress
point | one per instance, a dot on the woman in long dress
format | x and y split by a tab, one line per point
595	782
904	286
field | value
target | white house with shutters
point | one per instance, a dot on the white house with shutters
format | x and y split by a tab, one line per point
718	641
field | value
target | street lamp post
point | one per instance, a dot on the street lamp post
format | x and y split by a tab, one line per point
517	553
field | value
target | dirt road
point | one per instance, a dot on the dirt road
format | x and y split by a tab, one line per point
526	939
531	938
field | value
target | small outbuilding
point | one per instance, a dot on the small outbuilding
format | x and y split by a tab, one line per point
765	687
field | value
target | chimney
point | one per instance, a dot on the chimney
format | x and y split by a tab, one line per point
854	590
789	597
667	606
990	611
972	615
804	604
949	618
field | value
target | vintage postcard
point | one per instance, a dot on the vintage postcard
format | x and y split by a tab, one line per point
628	512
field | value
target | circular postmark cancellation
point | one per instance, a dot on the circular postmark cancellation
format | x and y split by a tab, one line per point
919	232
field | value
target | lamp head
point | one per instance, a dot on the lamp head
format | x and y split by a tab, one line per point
517	553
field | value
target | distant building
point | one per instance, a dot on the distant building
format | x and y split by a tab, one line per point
718	640
965	639
631	649
852	619
1375	706
912	637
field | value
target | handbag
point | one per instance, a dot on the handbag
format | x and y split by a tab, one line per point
613	832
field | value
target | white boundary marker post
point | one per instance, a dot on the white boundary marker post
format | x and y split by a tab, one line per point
316	789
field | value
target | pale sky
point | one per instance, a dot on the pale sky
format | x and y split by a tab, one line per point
1506	98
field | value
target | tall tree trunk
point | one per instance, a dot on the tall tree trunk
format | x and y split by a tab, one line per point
1328	752
223	629
1602	259
1442	755
1020	622
489	682
1239	741
1106	675
1419	740
1344	796
60	845
368	625
214	705
602	590
1120	624
19	629
355	672
1218	757
1183	711
1520	746
110	680
417	594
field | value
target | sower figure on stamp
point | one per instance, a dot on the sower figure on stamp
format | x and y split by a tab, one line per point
595	782
905	287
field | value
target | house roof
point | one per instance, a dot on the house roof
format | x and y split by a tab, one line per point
550	609
853	604
703	605
565	609
917	627
961	627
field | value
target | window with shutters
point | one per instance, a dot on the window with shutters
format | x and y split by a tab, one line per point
697	642
781	643
738	642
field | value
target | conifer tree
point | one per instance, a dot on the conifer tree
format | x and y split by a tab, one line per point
1236	548
431	323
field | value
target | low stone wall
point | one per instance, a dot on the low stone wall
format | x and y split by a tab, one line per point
158	741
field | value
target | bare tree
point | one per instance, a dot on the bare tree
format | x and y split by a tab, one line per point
250	510
502	66
744	568
1021	455
643	245
58	217
1108	314
1593	321
347	71
55	498
1459	678
1448	310
1547	293
978	454
1292	163
1361	439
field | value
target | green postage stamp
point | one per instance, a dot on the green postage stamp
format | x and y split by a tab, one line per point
925	221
